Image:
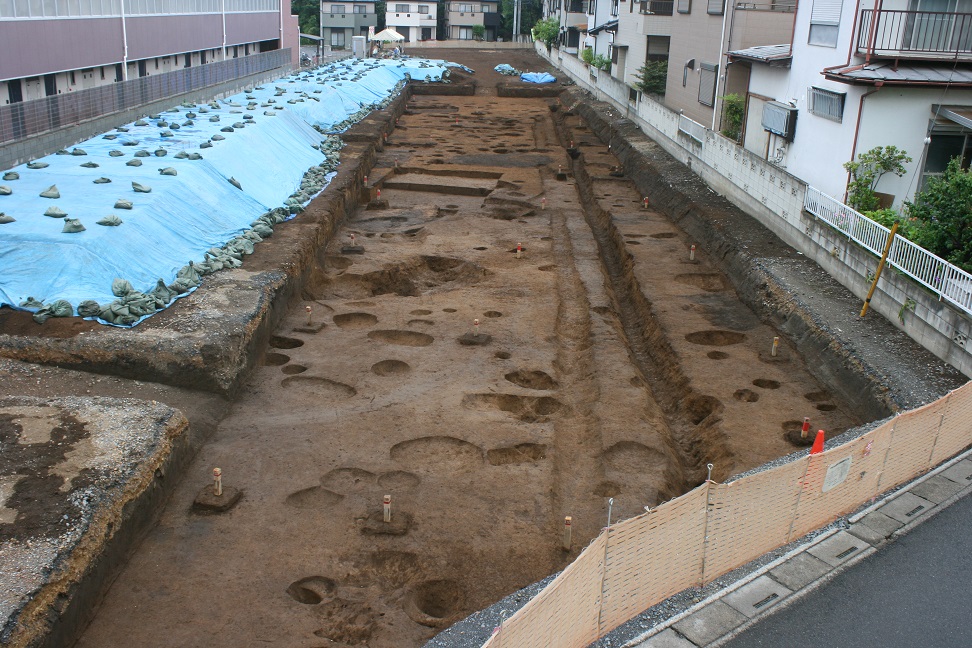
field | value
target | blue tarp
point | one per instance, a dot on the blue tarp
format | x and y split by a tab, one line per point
537	77
187	214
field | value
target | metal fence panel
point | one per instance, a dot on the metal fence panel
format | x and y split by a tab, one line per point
26	119
653	556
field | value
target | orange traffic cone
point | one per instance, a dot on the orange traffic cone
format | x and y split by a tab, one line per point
818	443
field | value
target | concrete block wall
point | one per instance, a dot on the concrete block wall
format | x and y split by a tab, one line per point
775	198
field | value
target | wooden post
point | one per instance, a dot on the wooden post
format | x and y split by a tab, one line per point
877	275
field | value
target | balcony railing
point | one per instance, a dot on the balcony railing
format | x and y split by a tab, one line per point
657	7
785	6
934	35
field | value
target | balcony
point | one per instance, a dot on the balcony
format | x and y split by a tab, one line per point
657	7
922	35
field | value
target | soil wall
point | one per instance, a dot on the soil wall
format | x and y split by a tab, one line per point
683	197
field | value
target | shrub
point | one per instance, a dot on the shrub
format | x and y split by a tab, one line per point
733	111
652	77
868	170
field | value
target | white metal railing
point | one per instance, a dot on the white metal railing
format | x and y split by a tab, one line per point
692	128
938	275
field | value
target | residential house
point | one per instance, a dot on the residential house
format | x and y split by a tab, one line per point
340	21
858	76
464	16
414	21
50	47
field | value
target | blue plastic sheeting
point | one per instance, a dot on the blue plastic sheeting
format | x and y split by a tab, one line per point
537	77
184	215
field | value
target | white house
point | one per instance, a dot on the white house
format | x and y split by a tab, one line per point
415	21
857	77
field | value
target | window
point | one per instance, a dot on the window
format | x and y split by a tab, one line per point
707	83
465	33
485	9
684	6
826	104
337	9
824	19
337	38
716	7
360	9
614	7
466	8
401	8
423	9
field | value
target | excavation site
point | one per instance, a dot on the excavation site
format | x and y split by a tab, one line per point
508	307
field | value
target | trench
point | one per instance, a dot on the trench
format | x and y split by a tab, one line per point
692	417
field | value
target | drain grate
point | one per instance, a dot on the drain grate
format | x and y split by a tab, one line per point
847	552
920	507
766	601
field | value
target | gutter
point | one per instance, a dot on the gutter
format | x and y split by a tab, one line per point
857	131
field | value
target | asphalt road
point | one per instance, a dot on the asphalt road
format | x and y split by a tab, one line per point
912	592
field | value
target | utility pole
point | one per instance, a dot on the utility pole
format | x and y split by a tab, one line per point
516	20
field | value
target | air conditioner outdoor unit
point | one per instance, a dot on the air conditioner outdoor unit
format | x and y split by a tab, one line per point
780	119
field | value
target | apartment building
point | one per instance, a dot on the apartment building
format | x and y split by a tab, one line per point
463	17
692	36
857	76
51	47
415	21
342	20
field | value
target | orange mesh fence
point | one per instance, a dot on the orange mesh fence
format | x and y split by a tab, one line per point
750	516
954	436
715	528
840	479
565	612
653	556
912	441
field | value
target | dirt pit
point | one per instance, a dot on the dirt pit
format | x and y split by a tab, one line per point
584	391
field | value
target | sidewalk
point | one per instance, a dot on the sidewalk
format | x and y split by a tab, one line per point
724	615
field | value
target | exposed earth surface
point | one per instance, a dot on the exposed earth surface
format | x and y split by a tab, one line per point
496	342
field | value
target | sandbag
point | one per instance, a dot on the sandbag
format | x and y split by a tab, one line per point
135	163
5	190
168	171
11	175
101	180
89	308
30	302
72	226
51	192
140	188
55	212
4	219
110	220
121	203
60	308
37	165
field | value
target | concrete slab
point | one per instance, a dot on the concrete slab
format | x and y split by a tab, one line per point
906	507
867	534
936	489
838	548
960	472
757	596
881	523
710	623
799	571
667	638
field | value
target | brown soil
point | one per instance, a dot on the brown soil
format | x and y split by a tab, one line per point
599	379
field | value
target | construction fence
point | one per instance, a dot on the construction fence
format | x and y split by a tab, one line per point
693	539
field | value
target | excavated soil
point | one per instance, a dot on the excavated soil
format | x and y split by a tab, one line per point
605	364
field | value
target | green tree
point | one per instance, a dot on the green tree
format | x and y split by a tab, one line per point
942	215
601	62
587	55
868	170
652	76
479	32
308	15
733	111
547	30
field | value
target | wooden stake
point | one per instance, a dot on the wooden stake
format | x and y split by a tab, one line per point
386	503
308	309
692	253
776	345
217	482
567	534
